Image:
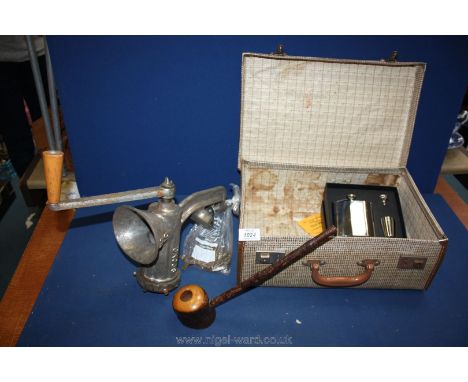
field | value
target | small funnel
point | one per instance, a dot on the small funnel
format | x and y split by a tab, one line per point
135	234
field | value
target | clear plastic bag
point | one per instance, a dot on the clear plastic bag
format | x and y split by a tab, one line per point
211	248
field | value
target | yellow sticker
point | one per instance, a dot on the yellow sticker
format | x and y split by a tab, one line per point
312	224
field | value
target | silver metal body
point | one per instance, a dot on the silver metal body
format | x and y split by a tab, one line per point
354	217
151	238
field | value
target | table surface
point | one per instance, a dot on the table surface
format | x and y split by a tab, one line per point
90	298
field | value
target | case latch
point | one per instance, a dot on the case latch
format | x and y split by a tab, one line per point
406	262
268	257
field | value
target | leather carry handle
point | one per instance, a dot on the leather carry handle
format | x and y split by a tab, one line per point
342	281
272	270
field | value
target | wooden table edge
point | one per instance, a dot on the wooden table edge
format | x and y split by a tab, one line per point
31	272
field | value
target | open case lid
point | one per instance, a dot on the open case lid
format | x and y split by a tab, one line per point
328	112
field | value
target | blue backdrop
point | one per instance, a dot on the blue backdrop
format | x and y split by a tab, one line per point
139	108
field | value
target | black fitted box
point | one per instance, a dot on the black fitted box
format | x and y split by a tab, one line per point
334	192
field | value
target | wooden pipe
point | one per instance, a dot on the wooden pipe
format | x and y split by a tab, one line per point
53	163
195	310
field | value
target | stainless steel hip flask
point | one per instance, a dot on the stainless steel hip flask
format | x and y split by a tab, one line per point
353	217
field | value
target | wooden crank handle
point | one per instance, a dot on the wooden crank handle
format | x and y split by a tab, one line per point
267	273
343	281
53	163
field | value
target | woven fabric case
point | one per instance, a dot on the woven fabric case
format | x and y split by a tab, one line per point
308	121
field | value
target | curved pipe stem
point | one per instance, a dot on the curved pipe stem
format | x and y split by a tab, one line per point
267	273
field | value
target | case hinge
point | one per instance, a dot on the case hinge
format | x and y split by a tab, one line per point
393	57
279	50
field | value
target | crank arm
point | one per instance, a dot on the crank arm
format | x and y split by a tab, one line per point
101	200
53	162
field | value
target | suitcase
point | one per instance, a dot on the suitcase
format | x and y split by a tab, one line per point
310	121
